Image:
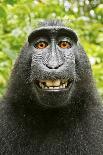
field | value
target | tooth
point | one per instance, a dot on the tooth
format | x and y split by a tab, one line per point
49	83
66	84
63	85
56	83
42	85
50	87
46	87
56	87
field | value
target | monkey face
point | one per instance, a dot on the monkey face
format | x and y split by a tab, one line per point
53	71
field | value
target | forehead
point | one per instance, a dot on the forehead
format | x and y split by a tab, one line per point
53	31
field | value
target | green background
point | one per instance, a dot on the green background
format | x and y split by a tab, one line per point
19	17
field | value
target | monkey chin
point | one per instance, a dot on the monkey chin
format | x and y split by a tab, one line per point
55	96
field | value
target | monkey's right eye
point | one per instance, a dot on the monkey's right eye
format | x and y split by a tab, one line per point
41	45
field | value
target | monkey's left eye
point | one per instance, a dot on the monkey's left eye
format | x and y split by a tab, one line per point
41	45
64	44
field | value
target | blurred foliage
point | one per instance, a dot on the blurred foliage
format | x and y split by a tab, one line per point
19	17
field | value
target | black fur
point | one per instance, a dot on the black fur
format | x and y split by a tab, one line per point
51	123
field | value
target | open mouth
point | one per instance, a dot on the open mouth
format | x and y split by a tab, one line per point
54	84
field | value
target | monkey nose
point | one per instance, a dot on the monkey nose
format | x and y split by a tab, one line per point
54	64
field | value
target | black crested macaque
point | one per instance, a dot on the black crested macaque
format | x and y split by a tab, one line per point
51	106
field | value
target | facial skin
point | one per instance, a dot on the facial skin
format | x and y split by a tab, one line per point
53	61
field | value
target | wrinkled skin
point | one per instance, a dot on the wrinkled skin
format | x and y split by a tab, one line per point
52	63
51	106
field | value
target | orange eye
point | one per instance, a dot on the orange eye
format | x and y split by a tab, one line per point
41	45
64	44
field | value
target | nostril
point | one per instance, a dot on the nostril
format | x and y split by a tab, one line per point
54	66
57	66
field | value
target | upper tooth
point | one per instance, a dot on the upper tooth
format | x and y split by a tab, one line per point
66	84
49	83
52	83
42	85
63	85
56	83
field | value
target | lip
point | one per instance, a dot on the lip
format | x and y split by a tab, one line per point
57	85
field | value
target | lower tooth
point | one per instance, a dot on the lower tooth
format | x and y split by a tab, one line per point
56	87
46	87
50	87
42	85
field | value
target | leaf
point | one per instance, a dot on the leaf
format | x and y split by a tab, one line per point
2	12
11	2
